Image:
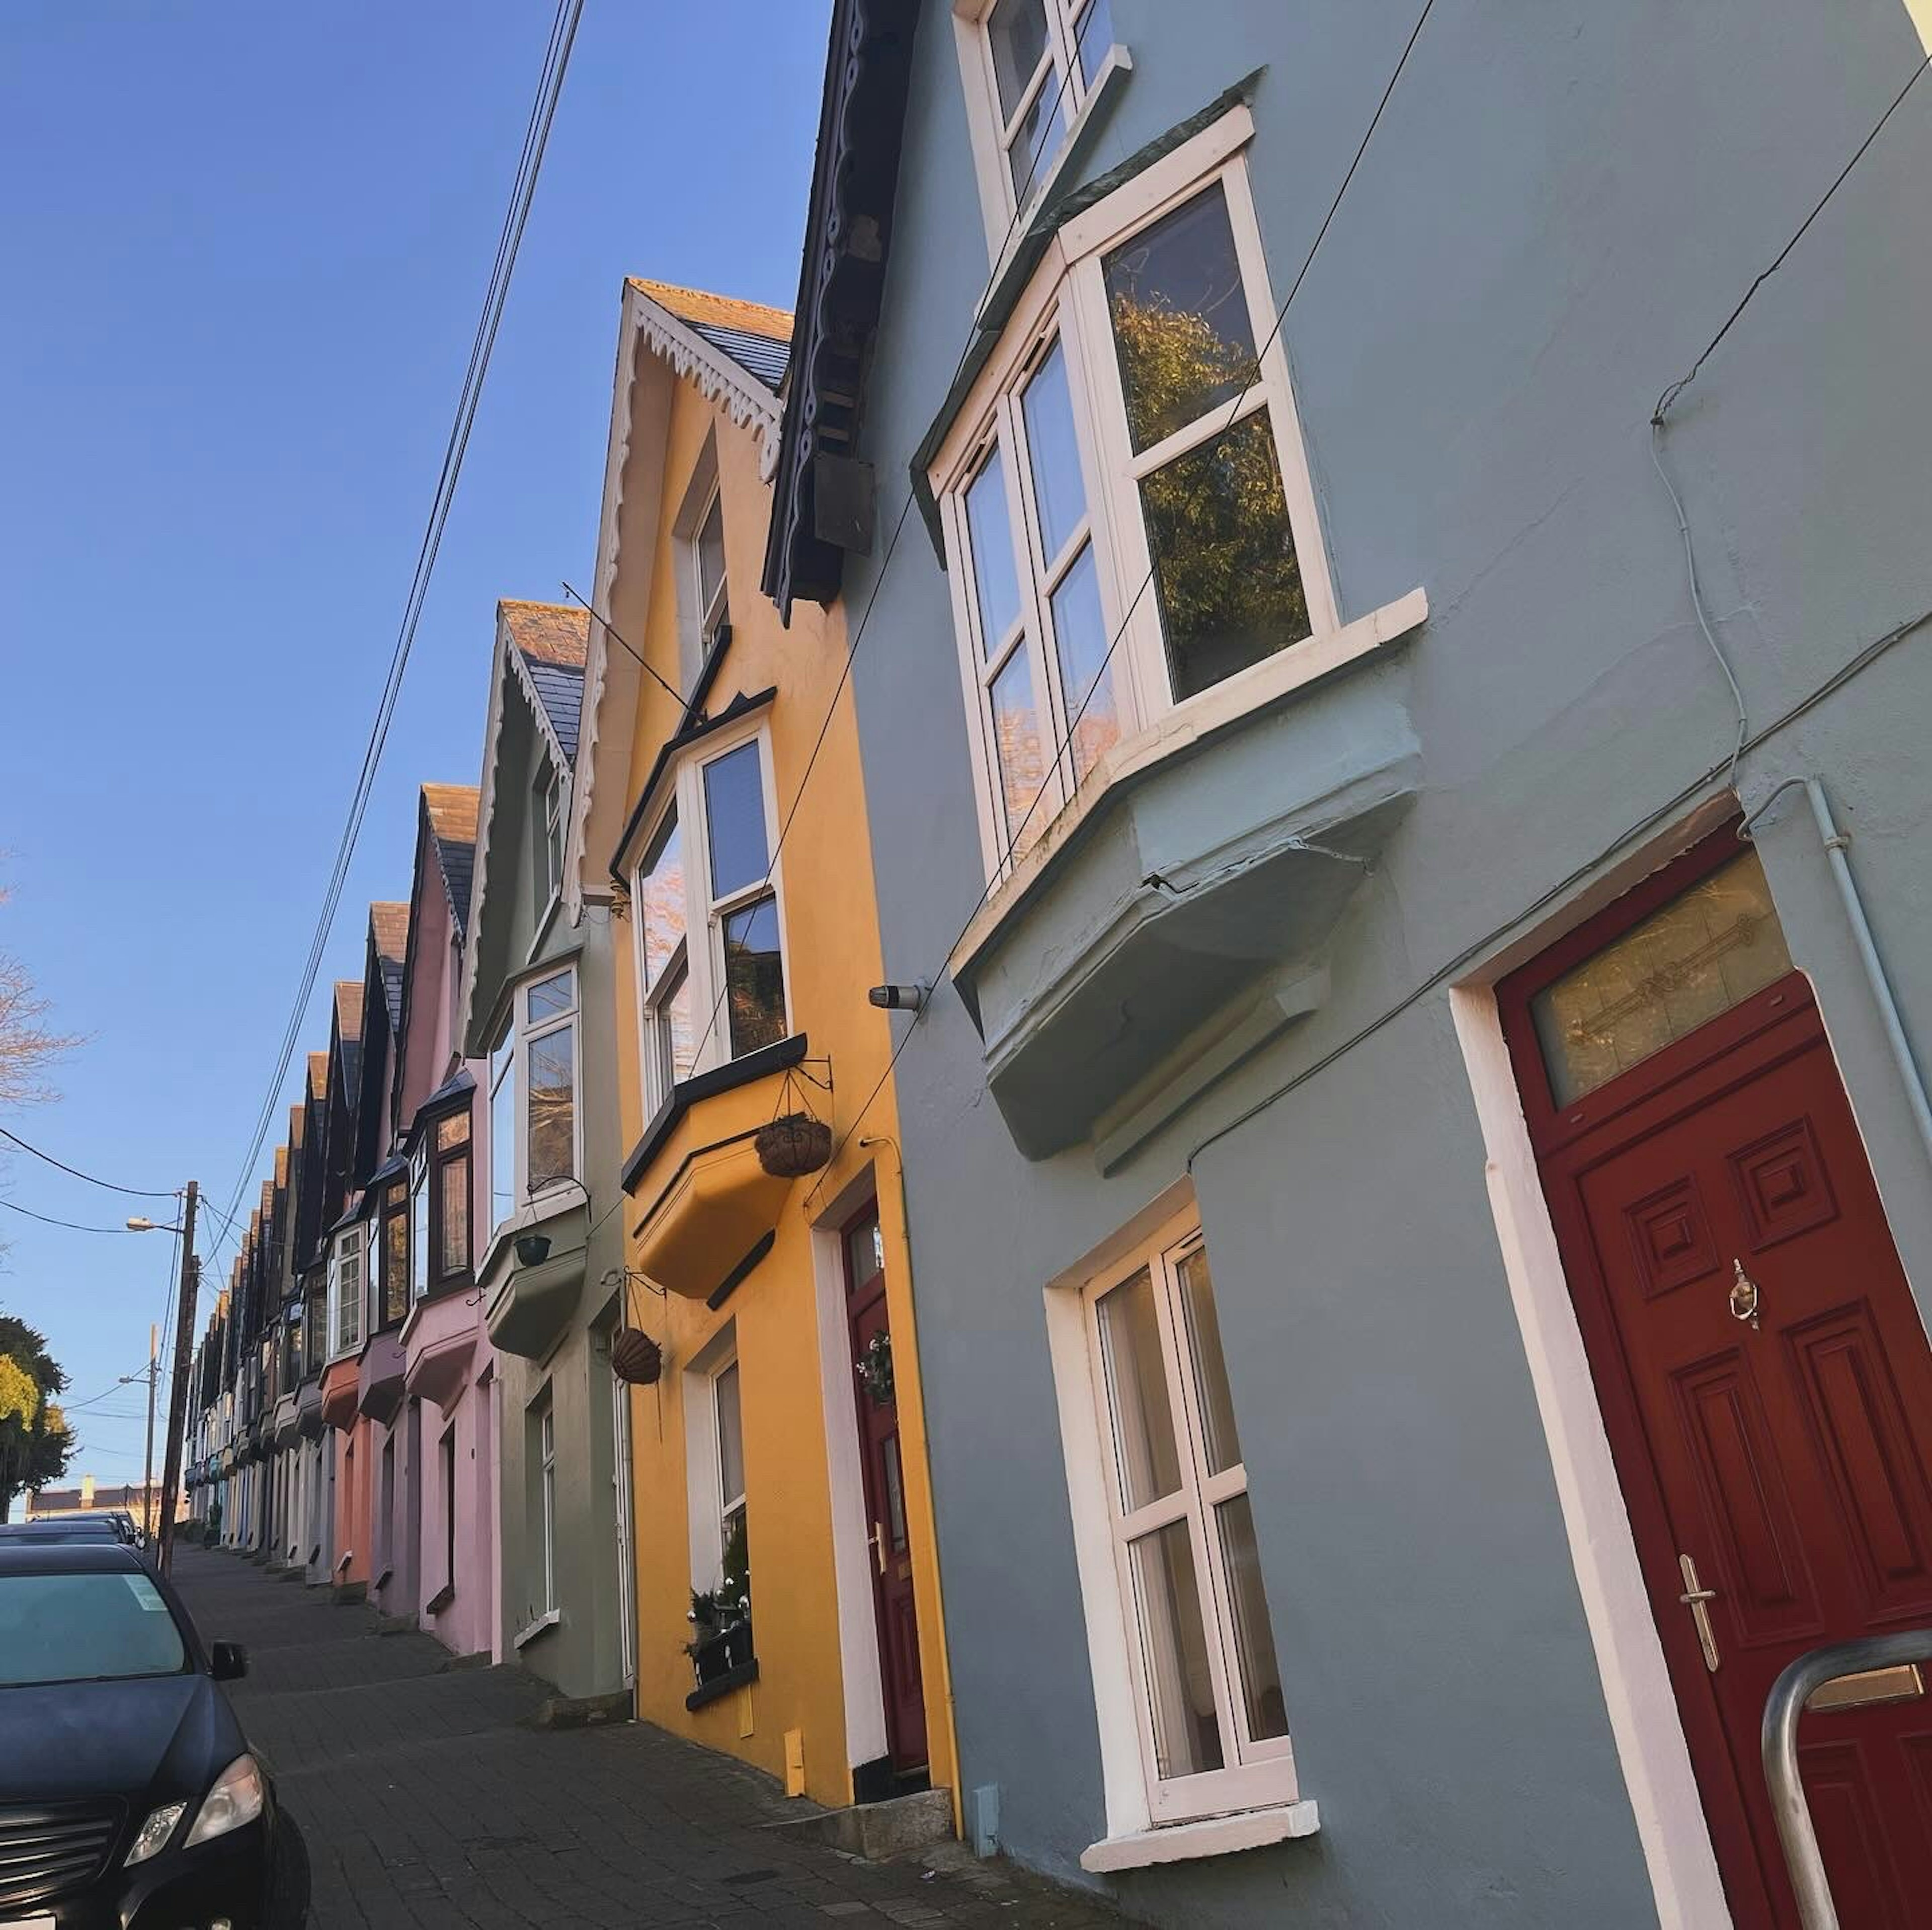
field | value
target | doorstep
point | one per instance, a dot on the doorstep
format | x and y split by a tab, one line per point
877	1830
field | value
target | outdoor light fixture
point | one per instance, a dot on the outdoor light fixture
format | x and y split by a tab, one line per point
899	998
533	1249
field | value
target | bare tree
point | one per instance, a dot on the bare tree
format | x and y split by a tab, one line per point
29	1051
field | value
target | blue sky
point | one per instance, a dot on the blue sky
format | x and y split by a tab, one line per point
246	249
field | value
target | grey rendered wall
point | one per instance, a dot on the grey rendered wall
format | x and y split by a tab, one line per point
582	1655
1561	206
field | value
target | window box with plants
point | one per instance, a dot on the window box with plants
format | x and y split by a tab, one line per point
722	1656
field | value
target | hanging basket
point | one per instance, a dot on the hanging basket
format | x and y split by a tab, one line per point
790	1147
636	1357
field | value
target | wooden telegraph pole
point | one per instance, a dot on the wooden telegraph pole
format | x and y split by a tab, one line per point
190	1278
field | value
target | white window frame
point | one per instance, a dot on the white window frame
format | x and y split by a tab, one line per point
348	1245
704	1457
1067	299
993	132
550	802
1258	1774
419	1221
547	1491
518	1033
703	962
709	609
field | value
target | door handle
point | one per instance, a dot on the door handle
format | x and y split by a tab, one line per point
1698	1600
877	1539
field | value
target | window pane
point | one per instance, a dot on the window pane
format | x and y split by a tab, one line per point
864	1255
754	977
730	1439
1016	31
1698	956
734	813
671	1013
1021	756
1054	454
1180	319
549	996
454	1179
990	533
711	555
1213	1402
395	1267
660	908
503	1137
1254	1637
1096	34
453	1130
419	1238
1225	572
553	1108
1036	139
1086	678
1145	1457
1174	1649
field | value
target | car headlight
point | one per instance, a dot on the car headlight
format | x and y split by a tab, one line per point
236	1799
155	1832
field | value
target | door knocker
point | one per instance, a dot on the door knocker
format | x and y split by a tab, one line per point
1744	1296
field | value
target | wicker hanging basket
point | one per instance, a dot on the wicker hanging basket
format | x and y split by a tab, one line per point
793	1146
636	1357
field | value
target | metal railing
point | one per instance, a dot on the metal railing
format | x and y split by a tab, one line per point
1786	1703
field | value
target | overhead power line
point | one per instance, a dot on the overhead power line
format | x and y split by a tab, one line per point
536	134
112	1186
48	1220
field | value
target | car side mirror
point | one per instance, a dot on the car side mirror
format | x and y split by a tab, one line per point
227	1662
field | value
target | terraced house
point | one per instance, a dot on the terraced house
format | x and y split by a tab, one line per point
787	1597
1417	1162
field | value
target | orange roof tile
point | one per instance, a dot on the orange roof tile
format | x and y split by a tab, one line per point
318	1074
721	311
552	633
390	923
348	1008
453	810
298	1120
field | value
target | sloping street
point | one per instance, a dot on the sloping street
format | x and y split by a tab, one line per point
426	1798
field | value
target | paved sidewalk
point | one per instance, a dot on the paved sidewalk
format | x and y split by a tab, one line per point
425	1801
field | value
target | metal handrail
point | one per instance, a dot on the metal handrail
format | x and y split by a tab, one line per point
1789	1694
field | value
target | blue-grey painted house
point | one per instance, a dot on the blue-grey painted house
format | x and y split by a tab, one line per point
1417	1156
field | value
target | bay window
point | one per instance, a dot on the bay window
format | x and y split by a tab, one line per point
706	914
439	1197
418	1222
1128	466
1029	67
533	1081
345	1291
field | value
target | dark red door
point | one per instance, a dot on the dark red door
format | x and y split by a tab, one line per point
1767	1388
889	1552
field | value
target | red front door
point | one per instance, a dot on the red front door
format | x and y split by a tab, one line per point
1764	1372
889	1552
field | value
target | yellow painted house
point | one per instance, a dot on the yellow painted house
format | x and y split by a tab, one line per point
718	819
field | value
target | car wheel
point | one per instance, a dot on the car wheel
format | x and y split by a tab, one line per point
288	1889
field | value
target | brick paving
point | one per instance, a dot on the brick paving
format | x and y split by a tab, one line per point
426	1800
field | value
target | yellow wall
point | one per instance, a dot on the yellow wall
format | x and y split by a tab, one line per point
831	955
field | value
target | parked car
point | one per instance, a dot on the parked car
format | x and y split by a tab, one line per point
96	1528
129	1796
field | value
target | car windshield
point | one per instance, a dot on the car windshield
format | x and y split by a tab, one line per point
81	1628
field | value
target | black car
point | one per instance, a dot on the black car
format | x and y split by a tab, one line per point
100	1528
128	1797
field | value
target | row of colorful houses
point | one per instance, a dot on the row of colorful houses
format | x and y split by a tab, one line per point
1157	953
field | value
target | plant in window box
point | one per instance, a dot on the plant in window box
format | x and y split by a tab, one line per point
721	1617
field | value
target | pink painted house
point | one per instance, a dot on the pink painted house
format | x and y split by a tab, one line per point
441	1502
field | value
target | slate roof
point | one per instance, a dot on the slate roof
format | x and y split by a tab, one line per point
552	639
757	338
451	810
389	928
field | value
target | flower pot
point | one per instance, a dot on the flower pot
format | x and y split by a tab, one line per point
790	1147
636	1357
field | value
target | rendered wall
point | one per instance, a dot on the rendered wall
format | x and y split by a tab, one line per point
1559	208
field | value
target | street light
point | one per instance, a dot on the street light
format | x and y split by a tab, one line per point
164	1536
140	1223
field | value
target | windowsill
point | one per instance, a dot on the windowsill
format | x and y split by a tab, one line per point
550	1204
551	1618
1118	65
1190	723
441	1599
687	1092
1213	1837
720	1686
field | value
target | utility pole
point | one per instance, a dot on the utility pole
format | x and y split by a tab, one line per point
150	1516
190	1279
